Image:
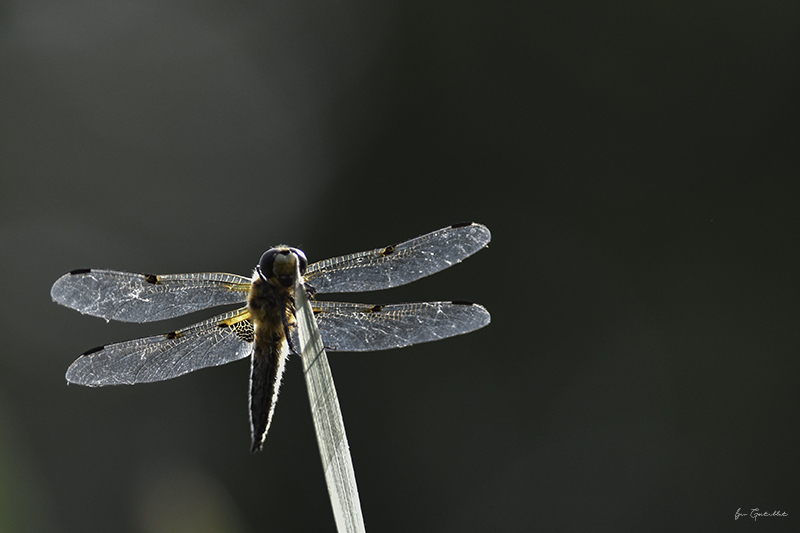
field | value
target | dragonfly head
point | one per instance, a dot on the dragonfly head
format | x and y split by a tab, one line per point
278	265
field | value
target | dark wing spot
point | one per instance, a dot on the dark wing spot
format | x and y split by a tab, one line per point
80	271
244	332
388	250
151	278
173	335
376	308
462	224
93	350
461	302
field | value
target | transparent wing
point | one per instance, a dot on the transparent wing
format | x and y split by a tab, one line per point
130	297
398	264
348	327
213	342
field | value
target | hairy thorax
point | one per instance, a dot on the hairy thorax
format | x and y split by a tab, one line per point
268	305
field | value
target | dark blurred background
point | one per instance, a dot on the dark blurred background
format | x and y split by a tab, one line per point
636	162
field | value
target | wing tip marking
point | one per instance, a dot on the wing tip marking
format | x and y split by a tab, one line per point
483	232
79	271
93	350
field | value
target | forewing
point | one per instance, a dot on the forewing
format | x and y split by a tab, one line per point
213	342
398	264
130	297
348	327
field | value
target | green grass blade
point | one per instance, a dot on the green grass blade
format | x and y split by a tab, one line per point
328	423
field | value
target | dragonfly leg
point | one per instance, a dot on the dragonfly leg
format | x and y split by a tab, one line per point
288	327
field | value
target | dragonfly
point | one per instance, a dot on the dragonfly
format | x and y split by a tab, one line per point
265	328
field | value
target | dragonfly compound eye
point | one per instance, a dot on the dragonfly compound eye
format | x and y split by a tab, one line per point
278	265
266	263
303	261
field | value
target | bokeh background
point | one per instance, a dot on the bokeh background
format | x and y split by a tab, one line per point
637	163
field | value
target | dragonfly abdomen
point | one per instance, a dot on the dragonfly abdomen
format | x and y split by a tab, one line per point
268	305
